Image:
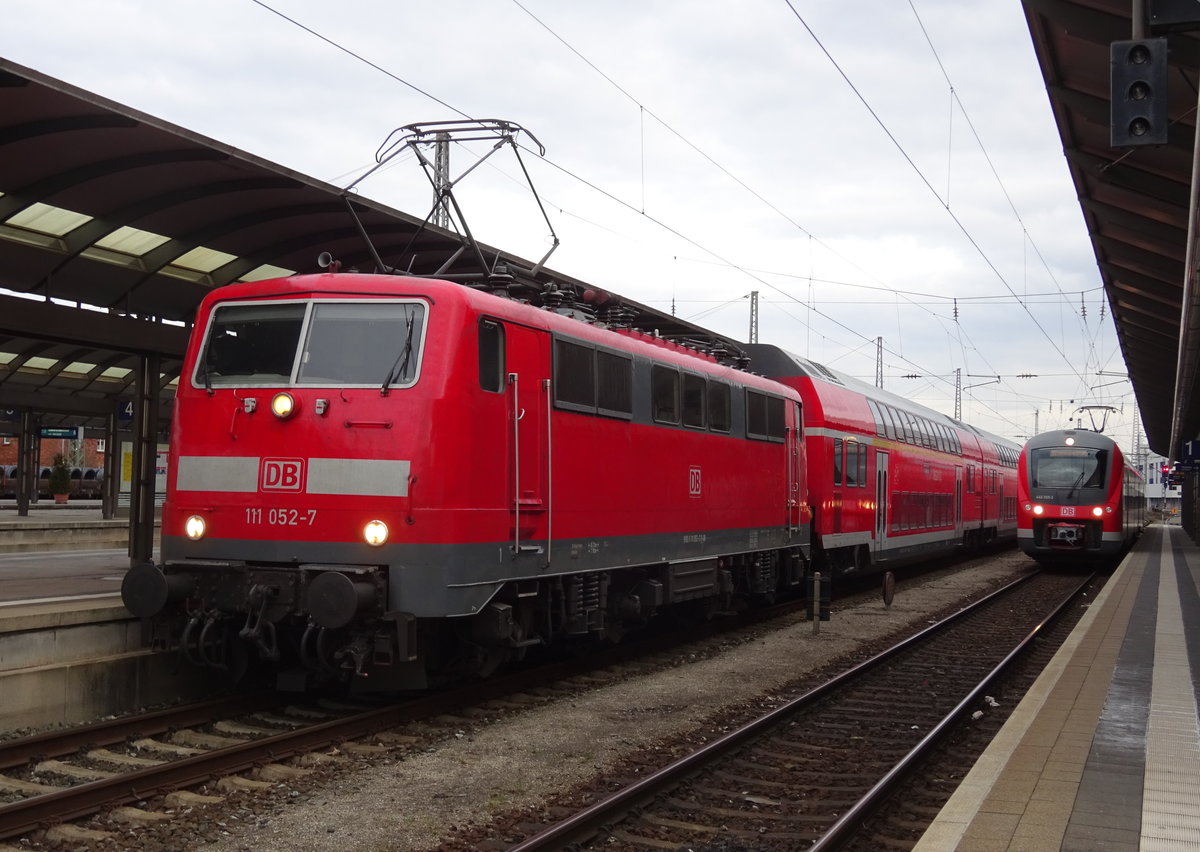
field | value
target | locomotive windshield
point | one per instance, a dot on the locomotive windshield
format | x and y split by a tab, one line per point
1068	467
313	343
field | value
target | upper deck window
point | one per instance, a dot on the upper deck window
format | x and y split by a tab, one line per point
324	343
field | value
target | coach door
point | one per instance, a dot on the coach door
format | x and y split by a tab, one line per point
794	470
881	501
528	376
958	502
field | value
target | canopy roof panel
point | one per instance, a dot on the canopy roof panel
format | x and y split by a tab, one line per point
1135	201
115	225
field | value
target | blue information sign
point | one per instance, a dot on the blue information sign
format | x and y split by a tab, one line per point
71	432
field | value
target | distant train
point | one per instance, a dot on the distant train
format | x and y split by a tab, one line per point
1079	500
400	480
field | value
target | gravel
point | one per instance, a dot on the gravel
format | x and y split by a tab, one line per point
477	771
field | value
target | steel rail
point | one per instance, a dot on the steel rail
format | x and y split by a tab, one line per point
84	799
56	743
850	822
588	821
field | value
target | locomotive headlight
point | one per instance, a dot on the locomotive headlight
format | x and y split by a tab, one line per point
283	405
194	527
1098	511
1037	510
375	533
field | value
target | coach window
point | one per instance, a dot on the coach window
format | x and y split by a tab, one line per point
837	461
491	356
693	401
664	393
862	465
614	384
719	418
890	426
574	379
877	416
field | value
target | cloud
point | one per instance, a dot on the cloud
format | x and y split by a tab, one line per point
696	151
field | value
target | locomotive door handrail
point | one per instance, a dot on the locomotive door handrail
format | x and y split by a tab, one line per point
518	414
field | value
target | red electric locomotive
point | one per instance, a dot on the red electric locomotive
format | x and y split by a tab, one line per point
890	480
1079	500
388	479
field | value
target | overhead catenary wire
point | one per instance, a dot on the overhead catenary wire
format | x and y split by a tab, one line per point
675	231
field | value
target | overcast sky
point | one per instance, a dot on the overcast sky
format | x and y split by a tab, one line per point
882	169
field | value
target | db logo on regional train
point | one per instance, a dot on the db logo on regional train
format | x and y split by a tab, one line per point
281	475
694	482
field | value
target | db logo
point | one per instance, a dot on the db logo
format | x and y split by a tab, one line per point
282	475
694	481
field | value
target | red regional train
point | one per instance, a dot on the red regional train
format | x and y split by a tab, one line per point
889	480
395	480
1079	500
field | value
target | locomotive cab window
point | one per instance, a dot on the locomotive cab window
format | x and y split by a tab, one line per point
1068	467
357	343
491	355
323	342
251	343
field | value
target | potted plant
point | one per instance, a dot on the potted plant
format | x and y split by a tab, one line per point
60	479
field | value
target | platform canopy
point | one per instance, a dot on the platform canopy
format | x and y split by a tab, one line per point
114	225
1137	202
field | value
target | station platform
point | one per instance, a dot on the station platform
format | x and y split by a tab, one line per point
1103	753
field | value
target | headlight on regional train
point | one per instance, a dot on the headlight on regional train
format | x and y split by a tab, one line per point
375	533
1037	510
194	527
1099	511
283	405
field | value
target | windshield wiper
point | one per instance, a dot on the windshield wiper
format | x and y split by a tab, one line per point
1075	484
400	366
205	374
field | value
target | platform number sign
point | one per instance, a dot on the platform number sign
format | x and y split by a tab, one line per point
125	410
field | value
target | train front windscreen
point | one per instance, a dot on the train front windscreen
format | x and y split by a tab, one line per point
1068	467
320	342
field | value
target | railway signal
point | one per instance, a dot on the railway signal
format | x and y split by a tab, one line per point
1138	85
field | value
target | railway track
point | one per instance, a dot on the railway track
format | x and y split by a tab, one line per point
809	773
67	774
142	758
